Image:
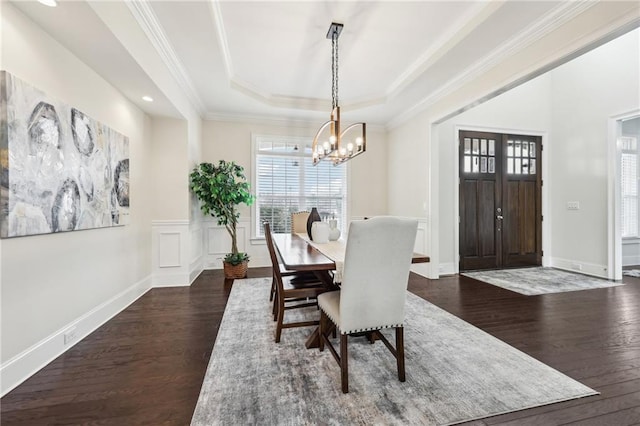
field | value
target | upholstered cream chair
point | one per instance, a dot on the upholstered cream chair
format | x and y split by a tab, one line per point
299	222
289	294
374	285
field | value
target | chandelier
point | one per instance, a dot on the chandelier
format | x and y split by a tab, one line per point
330	143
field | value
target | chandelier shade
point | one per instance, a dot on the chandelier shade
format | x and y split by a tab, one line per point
330	142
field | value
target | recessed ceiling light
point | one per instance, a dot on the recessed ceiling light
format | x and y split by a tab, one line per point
147	98
50	3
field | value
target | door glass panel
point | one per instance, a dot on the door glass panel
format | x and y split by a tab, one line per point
525	165
532	167
483	147
492	147
492	165
467	145
467	164
517	150
516	166
510	165
510	148
476	146
474	165
525	149
532	149
483	164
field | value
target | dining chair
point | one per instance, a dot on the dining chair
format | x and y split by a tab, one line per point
289	293
299	221
373	292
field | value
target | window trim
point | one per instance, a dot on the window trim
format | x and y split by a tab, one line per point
630	238
255	238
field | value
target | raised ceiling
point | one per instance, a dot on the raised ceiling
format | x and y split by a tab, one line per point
271	59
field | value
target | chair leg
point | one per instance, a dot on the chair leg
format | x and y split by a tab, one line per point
273	288
344	364
321	330
274	310
280	318
400	352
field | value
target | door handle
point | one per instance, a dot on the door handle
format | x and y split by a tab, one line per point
499	217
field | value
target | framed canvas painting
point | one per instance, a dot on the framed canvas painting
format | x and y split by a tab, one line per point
60	170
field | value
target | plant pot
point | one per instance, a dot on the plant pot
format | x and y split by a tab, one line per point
236	271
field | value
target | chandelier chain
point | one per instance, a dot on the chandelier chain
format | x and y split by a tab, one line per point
334	69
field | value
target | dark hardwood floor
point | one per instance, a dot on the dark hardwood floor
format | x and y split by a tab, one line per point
146	365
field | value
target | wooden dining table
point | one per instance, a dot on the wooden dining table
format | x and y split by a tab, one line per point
298	254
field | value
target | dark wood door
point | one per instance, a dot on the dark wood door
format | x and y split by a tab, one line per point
500	201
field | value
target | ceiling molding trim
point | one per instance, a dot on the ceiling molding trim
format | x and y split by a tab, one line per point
298	102
274	100
216	15
445	42
551	21
276	121
148	21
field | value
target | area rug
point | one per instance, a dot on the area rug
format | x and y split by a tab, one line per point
539	280
631	272
455	372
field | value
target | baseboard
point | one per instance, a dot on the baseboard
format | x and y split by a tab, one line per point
592	269
423	269
196	270
448	268
173	280
25	364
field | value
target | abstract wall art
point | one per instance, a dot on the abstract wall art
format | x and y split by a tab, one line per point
60	170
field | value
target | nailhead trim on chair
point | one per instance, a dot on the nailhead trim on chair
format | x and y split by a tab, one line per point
360	330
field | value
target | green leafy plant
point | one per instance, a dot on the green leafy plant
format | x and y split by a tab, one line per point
221	189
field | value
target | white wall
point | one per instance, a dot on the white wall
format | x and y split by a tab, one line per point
586	92
410	138
171	169
50	282
231	141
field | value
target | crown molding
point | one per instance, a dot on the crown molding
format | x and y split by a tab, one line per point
277	121
147	20
554	19
443	44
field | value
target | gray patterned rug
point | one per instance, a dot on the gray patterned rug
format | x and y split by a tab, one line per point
631	273
455	373
535	281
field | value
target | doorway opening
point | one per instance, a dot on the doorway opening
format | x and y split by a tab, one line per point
626	204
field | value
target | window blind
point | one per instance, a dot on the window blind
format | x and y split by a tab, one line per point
286	181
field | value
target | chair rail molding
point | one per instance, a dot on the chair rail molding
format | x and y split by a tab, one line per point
176	252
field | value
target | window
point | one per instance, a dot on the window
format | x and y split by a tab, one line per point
629	178
285	181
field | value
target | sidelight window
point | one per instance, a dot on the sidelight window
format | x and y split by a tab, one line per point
629	178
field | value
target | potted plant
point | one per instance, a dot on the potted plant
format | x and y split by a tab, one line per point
220	190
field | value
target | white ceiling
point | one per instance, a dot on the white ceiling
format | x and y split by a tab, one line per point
272	59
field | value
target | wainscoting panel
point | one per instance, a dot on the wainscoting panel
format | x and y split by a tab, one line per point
171	253
168	249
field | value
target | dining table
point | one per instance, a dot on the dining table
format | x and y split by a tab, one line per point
298	252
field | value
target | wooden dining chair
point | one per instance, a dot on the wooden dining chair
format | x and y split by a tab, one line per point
290	294
299	221
373	292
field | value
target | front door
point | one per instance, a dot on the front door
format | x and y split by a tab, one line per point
500	200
